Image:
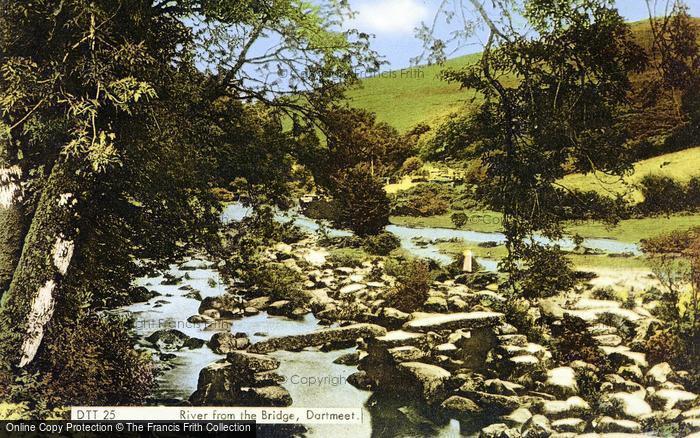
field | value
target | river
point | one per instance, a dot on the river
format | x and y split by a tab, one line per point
385	416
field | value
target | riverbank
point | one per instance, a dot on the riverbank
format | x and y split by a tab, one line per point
464	361
629	230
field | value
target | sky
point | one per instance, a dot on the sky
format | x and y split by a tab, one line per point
393	23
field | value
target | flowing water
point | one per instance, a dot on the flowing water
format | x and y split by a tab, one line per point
384	415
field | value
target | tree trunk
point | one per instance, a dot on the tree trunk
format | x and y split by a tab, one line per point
29	304
11	222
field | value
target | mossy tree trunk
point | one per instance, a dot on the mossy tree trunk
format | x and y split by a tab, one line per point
12	227
29	304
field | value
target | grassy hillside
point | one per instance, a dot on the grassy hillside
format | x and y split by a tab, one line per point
407	97
416	95
680	165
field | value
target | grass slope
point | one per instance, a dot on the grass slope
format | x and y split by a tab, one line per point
407	97
681	166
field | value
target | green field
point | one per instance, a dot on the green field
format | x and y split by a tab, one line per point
578	260
415	95
630	230
681	166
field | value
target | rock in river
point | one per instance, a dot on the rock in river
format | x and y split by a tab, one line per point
321	337
426	322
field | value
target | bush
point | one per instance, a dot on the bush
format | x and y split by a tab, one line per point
573	341
413	287
362	203
90	361
422	200
281	282
662	194
381	244
547	272
411	165
348	257
459	219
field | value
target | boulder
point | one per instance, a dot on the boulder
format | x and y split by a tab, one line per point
280	308
199	319
518	417
561	382
168	339
390	317
427	322
224	383
224	306
406	353
321	337
361	380
429	380
141	294
253	362
194	295
631	405
571	407
503	387
226	342
460	408
569	425
436	304
494	404
276	396
611	425
499	430
672	398
631	372
537	426
259	303
658	374
350	359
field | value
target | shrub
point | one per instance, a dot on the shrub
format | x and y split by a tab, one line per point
281	282
412	288
223	195
348	257
90	361
573	341
662	194
381	244
459	219
605	293
665	346
546	273
362	203
422	200
411	165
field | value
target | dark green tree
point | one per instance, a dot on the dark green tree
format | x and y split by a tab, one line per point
362	204
552	90
111	139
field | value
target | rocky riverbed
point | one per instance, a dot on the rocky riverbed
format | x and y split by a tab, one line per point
457	366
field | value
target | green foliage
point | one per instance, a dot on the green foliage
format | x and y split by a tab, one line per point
280	282
663	194
544	272
411	165
573	341
459	219
422	200
556	113
381	244
362	203
347	257
412	287
104	370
